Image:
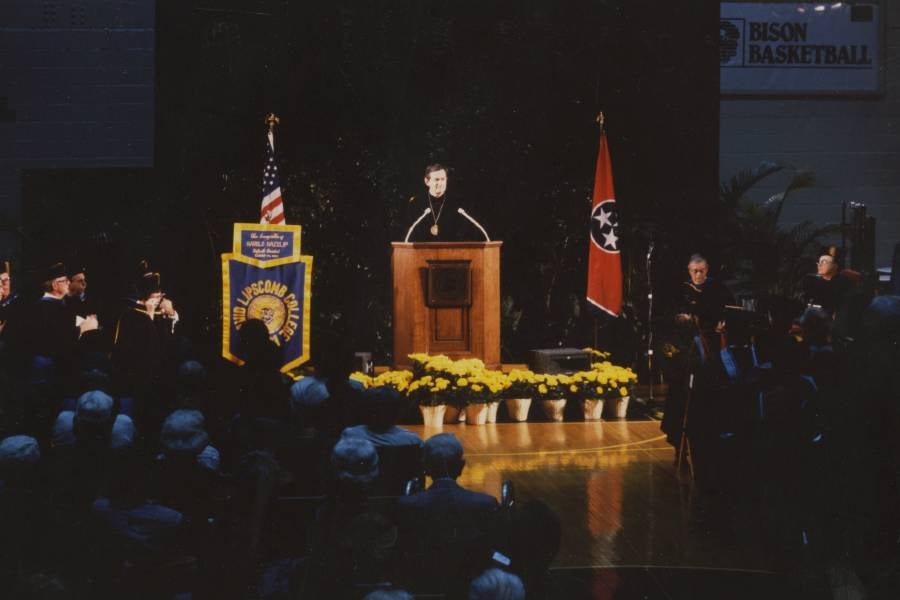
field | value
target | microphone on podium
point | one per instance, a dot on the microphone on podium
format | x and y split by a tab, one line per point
413	226
474	222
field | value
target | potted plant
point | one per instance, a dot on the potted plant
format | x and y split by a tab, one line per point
616	382
583	387
481	391
519	390
428	393
551	392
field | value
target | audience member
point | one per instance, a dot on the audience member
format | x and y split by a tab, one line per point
23	509
448	532
383	408
495	584
353	539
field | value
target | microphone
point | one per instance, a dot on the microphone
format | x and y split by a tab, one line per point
650	250
413	226
474	222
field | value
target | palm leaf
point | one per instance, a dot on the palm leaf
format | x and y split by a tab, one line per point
733	190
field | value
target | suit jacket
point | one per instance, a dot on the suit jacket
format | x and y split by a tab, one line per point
447	495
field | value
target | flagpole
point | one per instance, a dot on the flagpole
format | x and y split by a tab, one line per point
272	120
600	120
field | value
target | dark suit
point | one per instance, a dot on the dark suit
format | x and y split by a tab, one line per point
447	535
447	495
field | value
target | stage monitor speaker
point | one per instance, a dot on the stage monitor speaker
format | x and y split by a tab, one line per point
560	360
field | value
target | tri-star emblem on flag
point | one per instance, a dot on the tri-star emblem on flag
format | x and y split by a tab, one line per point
605	226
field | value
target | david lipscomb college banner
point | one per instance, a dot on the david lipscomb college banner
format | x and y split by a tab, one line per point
266	278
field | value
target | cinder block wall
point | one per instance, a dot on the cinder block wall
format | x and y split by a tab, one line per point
852	145
76	89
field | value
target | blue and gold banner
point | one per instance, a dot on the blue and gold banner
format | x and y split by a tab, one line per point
266	278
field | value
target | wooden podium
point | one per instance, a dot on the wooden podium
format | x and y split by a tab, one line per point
446	300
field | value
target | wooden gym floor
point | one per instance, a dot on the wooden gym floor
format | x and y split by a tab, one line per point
630	526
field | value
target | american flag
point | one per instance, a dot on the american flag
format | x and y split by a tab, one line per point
272	210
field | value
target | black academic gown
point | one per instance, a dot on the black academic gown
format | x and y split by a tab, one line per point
54	332
827	293
451	226
142	347
706	302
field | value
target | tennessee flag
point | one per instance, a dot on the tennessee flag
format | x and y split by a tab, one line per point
604	281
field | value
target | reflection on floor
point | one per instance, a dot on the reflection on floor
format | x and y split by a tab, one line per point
631	528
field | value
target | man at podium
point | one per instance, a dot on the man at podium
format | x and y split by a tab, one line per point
433	217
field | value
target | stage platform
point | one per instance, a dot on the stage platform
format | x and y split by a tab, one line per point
630	527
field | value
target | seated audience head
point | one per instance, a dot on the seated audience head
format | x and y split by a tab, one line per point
254	343
308	397
123	432
355	462
19	454
384	405
184	433
442	456
93	418
495	584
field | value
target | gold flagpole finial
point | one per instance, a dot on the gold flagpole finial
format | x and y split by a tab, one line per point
600	118
272	120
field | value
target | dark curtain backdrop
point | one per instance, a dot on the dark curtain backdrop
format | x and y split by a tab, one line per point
505	93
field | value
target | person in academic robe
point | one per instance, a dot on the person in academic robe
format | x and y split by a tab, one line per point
443	223
829	286
144	339
700	317
54	328
703	298
8	300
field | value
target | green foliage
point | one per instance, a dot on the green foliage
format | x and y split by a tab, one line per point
765	258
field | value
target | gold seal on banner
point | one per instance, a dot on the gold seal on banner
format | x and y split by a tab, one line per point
269	302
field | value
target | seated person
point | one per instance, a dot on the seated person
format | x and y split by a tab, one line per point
494	583
447	532
354	538
186	470
704	298
93	423
183	435
383	408
140	543
84	444
23	512
827	288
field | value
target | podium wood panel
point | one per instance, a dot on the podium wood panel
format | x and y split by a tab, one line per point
459	332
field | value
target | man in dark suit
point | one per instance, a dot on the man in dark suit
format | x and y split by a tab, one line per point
447	532
442	456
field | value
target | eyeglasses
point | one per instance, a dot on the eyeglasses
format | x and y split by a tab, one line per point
825	261
4	280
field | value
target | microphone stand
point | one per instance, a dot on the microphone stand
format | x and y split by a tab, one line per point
650	320
417	221
474	222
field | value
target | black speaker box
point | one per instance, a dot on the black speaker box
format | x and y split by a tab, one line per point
560	360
